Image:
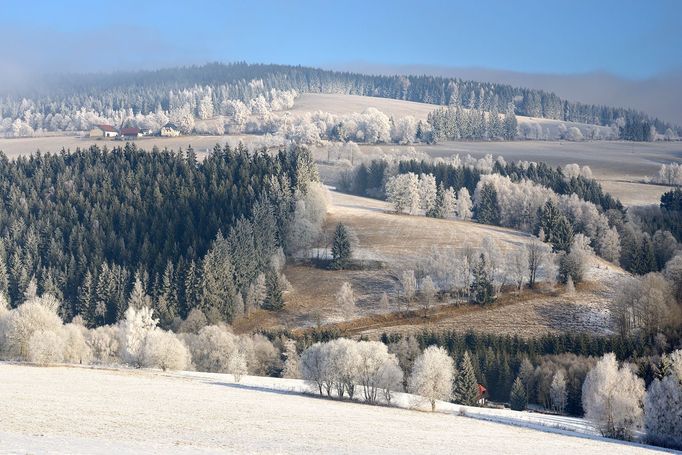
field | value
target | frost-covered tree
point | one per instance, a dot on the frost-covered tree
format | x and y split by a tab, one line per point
76	349
213	349
448	202
432	375
406	350
390	378
538	254
427	192
608	244
45	347
428	290
403	192
518	262
104	344
612	398
342	364
164	350
557	391
292	360
409	284
39	314
373	355
464	204
313	367
345	301
133	331
645	303
663	407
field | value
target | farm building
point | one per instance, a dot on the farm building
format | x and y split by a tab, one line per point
103	131
130	133
170	130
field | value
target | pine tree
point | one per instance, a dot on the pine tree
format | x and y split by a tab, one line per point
273	296
482	290
167	299
192	288
488	209
563	235
218	288
86	297
138	296
518	400
4	279
341	247
548	220
465	389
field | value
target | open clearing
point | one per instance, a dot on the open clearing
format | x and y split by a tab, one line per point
402	242
81	410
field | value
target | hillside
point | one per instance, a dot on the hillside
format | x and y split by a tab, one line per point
81	410
399	242
340	104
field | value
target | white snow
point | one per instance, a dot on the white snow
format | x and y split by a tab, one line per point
65	409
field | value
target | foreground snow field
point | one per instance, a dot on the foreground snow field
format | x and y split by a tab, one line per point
81	410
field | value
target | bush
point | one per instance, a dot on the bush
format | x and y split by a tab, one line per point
45	347
164	350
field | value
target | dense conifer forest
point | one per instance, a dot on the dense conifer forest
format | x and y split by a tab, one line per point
86	226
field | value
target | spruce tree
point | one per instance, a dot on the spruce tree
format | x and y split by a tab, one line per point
86	296
563	235
482	290
518	400
4	280
341	247
465	389
488	209
273	295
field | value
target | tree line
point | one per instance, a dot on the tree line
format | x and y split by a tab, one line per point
160	91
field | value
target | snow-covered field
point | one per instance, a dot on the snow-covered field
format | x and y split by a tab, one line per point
81	410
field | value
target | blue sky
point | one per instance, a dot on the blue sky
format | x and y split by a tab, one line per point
633	39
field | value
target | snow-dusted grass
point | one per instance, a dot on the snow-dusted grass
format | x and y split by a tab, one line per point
82	410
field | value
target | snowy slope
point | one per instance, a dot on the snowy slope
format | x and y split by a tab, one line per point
81	410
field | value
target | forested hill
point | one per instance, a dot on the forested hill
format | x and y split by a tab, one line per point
147	91
86	226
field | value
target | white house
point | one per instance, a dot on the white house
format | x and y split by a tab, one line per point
169	130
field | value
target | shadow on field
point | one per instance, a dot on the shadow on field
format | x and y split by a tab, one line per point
256	388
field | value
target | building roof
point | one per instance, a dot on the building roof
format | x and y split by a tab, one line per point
170	125
107	128
130	131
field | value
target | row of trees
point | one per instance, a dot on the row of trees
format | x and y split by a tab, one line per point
87	226
370	179
33	331
197	89
611	395
454	123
